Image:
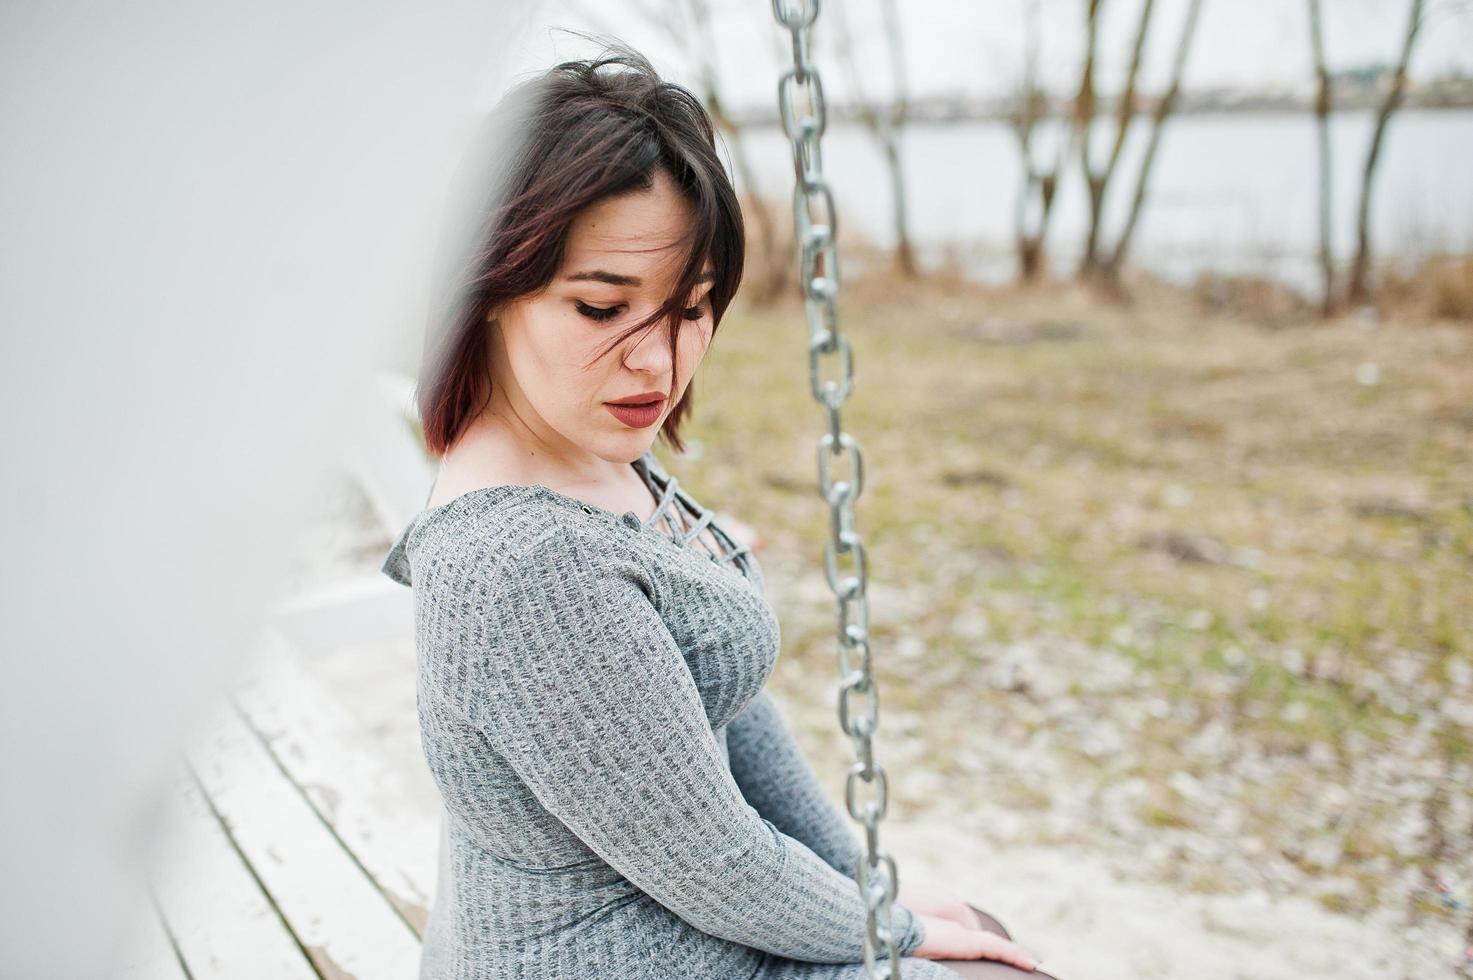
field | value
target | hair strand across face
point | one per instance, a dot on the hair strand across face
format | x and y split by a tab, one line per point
580	133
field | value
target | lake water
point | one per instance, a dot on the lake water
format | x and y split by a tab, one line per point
1232	192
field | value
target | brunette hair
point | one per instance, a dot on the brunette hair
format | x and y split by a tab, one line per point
568	138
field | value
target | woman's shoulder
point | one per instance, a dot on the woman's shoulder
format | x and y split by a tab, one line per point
520	531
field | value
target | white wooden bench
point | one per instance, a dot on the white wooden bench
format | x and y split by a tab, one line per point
292	847
389	466
293	850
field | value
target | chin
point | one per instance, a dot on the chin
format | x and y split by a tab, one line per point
625	447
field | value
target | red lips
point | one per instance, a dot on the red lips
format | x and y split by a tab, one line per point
639	399
638	411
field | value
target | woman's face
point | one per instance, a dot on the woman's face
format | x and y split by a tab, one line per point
622	259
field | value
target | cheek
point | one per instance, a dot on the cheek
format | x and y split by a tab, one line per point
695	340
551	345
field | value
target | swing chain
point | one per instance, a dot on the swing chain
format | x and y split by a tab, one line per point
804	117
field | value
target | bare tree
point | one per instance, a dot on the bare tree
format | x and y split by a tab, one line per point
886	120
1097	179
1085	104
776	276
1038	189
1322	119
1359	287
1030	107
1164	107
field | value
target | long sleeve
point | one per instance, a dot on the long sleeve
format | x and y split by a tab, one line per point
777	779
576	681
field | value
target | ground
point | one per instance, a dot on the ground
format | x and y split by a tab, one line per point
1171	606
1147	578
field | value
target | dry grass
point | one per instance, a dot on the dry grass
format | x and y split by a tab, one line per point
1157	575
1441	286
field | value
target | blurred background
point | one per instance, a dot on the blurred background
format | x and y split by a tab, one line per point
1162	313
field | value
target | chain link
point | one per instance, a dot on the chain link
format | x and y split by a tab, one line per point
804	118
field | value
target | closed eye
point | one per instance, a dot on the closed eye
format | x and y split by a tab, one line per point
599	312
699	310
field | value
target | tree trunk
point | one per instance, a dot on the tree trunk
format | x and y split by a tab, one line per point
1084	115
777	265
1322	120
1158	119
905	258
899	110
1030	259
1098	181
885	122
1032	107
1359	288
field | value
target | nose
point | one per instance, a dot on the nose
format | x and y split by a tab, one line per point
650	351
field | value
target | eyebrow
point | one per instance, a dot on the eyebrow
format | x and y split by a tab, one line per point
618	279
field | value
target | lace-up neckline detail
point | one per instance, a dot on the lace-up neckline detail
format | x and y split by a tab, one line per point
679	518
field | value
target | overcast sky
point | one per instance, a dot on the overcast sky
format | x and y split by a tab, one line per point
975	46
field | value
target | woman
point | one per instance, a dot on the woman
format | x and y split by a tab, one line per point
622	798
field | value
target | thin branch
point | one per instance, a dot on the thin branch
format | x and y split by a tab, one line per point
1164	108
1358	288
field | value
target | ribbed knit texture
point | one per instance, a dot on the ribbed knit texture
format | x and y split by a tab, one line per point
622	797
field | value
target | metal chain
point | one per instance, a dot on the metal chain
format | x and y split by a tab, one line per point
804	118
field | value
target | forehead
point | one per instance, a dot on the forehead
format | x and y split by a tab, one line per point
640	234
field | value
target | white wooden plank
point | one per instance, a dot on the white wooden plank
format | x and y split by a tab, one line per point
362	608
149	956
346	926
385	825
224	925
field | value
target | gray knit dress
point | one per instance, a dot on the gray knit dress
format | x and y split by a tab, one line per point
622	798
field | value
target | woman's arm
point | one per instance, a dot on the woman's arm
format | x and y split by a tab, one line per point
776	778
575	680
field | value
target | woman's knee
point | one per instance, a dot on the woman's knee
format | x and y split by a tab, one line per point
990	923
